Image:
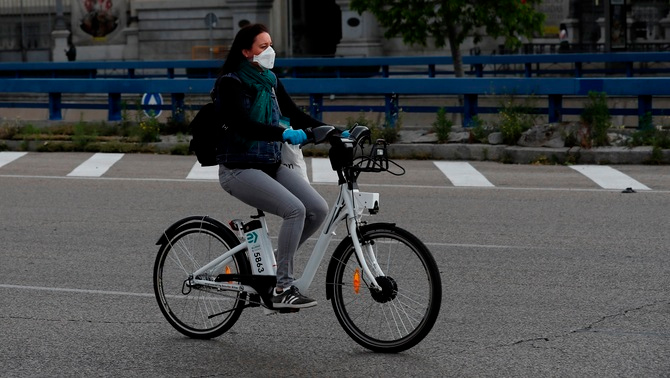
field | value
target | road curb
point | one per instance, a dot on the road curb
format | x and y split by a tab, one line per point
530	155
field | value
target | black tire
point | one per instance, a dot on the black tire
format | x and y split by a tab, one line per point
405	311
183	250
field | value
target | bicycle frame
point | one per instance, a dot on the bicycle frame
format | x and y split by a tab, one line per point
353	211
349	206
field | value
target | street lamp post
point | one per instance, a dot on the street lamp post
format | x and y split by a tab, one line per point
608	26
210	21
60	19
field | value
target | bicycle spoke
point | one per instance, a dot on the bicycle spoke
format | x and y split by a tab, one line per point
390	322
409	299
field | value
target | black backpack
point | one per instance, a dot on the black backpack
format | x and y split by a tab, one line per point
206	129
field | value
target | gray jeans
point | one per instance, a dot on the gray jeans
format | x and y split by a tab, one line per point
288	196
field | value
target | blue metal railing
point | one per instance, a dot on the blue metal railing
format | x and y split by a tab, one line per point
393	78
390	88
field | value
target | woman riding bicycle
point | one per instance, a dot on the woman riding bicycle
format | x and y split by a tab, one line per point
260	116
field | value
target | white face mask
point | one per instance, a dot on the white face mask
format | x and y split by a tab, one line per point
266	59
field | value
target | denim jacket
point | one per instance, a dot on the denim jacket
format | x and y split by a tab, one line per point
235	151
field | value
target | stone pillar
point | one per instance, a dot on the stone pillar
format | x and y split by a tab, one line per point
250	11
360	33
60	45
629	30
602	24
664	27
664	24
59	36
572	26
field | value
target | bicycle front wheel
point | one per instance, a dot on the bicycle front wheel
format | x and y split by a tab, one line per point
200	312
404	311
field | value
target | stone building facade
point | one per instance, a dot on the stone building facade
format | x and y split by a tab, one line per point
87	30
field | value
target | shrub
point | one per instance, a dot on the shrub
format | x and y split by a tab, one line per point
596	119
83	135
361	119
651	137
8	131
646	121
515	119
442	126
149	128
29	130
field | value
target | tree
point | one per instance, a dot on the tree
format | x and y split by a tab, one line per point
454	20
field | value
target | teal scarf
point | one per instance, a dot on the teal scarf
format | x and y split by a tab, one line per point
263	82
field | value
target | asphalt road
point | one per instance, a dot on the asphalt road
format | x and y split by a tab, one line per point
545	274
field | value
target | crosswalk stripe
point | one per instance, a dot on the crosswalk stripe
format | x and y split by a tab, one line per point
7	157
462	174
199	172
608	177
96	165
322	171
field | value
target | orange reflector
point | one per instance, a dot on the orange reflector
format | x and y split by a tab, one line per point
357	281
228	272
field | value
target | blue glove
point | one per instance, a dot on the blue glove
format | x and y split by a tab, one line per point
294	136
345	134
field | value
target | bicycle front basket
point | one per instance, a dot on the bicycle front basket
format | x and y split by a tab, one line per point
377	160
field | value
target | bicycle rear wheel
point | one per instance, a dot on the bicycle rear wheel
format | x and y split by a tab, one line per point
403	313
197	312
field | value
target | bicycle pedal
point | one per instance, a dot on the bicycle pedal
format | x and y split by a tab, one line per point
288	310
254	300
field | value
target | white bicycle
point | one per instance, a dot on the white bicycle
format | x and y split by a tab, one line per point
382	281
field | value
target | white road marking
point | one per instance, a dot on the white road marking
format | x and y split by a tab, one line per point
96	165
322	171
368	185
462	174
199	172
78	291
7	157
608	177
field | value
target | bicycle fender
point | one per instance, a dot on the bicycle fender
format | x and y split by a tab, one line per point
170	231
337	256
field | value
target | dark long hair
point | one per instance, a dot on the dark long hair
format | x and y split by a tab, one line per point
244	40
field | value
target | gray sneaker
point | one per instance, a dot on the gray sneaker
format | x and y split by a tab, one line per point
291	298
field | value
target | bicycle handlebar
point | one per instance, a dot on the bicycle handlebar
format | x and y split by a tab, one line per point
318	134
326	133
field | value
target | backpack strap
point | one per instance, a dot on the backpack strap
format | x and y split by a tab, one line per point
213	94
